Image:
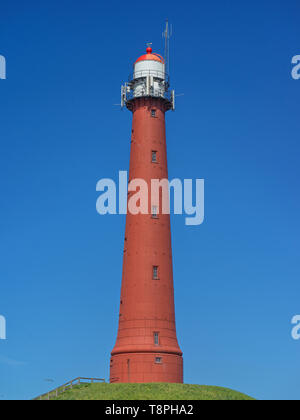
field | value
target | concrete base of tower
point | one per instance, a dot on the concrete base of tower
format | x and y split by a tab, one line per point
146	368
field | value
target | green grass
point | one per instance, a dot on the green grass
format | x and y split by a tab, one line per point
153	391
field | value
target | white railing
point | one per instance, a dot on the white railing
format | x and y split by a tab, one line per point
66	387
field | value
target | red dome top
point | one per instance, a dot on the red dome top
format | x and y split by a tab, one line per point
151	56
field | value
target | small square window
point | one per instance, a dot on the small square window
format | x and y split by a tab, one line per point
154	156
155	272
158	360
154	212
153	113
156	338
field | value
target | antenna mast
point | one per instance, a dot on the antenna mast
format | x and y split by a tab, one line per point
168	32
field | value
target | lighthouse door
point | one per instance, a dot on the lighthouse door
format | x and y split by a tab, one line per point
128	369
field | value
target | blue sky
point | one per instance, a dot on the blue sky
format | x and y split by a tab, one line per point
237	126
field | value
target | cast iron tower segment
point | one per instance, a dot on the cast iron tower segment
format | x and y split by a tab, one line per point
147	348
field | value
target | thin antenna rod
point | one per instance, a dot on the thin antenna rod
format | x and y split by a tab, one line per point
167	35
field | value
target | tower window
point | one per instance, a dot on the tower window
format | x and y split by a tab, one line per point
154	156
154	212
156	338
158	360
155	272
153	113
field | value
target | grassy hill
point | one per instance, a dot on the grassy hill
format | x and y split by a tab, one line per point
153	391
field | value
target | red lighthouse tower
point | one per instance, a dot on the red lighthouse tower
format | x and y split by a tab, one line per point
147	349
